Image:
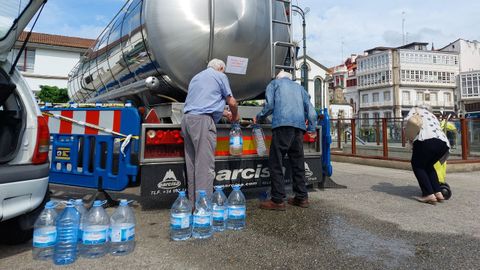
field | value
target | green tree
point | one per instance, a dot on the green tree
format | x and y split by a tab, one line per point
53	94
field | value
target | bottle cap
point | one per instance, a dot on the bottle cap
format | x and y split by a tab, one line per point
50	205
181	193
97	203
123	202
202	192
219	188
236	187
78	202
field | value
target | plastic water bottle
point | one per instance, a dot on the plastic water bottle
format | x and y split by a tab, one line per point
68	223
45	233
122	230
219	205
96	225
78	203
236	140
181	218
202	217
236	209
259	139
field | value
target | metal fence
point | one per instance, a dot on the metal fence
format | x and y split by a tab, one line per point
385	138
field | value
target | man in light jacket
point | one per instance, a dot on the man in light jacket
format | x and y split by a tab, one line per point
290	106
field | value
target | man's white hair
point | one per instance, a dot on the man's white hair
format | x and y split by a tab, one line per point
216	64
284	74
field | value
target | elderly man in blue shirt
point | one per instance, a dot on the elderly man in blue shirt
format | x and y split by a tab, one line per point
291	108
204	106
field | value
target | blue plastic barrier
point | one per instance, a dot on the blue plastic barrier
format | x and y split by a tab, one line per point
86	146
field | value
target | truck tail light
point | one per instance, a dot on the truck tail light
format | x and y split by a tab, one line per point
40	155
163	143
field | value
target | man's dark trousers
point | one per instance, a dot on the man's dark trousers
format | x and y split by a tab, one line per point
287	141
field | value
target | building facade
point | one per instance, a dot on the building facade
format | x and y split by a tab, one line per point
390	81
318	77
48	59
467	96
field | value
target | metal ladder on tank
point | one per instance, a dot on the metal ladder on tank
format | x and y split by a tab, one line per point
275	44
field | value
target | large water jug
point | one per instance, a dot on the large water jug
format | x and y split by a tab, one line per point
96	225
122	230
45	233
181	218
68	222
236	209
236	140
219	205
78	203
259	139
202	216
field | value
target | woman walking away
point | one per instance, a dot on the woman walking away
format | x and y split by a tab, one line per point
429	146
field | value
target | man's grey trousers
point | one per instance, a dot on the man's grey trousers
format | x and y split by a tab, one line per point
200	134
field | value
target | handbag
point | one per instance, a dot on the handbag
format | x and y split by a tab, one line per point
414	125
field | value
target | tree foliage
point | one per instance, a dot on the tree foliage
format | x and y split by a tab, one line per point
53	94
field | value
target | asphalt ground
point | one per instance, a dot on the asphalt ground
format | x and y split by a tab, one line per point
373	224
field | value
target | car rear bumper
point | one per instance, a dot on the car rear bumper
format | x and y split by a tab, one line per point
19	194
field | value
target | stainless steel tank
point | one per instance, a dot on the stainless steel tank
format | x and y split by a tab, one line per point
168	42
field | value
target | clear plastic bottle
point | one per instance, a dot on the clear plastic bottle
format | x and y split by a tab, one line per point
236	140
181	218
78	203
202	217
122	230
68	223
236	209
219	205
45	233
96	225
259	139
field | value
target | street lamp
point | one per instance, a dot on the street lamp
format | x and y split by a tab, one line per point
302	13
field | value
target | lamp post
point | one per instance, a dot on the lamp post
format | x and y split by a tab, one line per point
302	13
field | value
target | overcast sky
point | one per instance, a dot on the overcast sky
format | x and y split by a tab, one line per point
335	28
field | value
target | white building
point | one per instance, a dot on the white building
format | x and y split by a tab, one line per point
470	93
467	95
469	53
392	80
48	59
317	75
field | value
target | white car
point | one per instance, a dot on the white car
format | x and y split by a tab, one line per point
24	136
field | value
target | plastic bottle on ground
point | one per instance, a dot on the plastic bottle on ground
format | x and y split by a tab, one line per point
202	217
181	218
219	206
236	209
259	139
122	230
45	233
67	223
78	203
236	140
96	225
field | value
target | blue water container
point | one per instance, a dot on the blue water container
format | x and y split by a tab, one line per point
122	230
68	222
219	205
45	233
236	209
202	217
180	218
96	226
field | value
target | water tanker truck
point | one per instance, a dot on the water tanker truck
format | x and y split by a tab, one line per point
148	54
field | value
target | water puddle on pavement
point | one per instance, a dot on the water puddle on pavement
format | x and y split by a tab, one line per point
358	242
